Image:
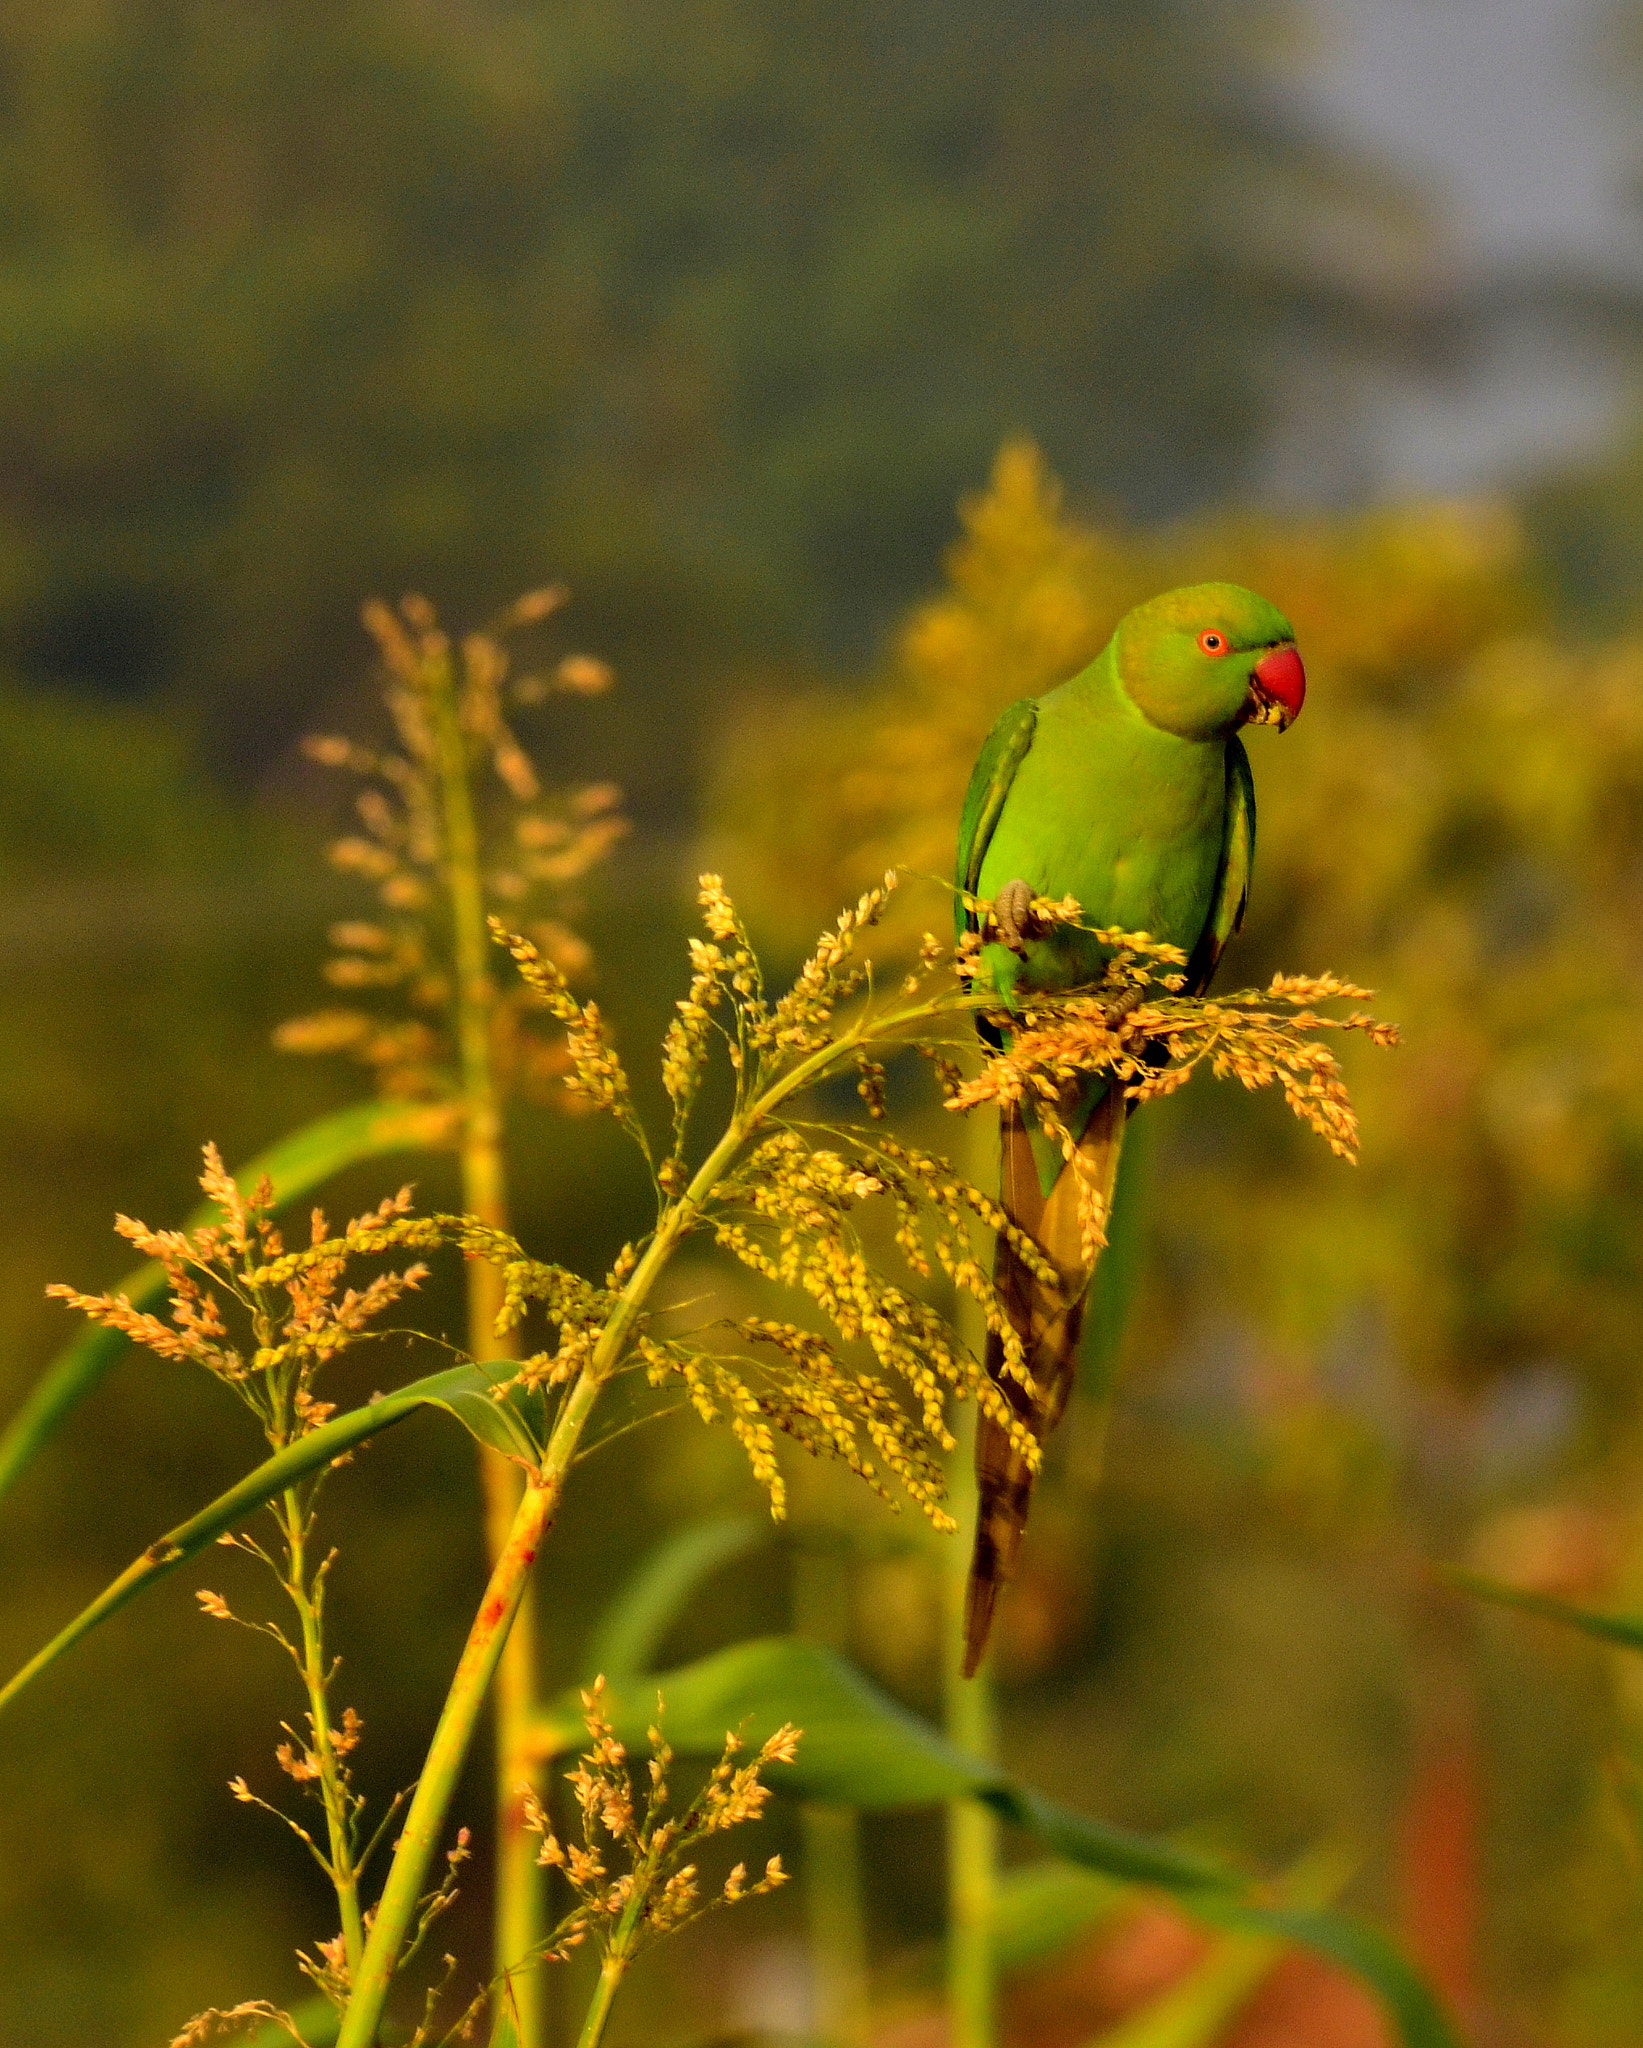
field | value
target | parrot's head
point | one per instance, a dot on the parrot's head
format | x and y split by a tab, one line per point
1212	656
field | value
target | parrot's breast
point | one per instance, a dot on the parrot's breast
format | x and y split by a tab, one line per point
1124	817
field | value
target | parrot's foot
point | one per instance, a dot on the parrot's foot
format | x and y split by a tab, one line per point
1013	914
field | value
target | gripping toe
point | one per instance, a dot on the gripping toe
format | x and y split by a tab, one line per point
1013	914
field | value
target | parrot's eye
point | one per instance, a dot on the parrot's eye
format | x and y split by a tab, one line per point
1213	642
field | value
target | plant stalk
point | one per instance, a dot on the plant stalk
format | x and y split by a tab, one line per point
972	1828
401	1895
338	1817
618	1959
969	1713
831	1835
831	1838
519	1926
611	1973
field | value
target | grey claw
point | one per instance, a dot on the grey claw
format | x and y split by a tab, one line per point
1013	914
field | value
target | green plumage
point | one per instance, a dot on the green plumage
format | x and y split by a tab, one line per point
1127	788
1083	793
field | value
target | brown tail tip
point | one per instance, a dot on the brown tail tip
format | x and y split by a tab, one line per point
980	1598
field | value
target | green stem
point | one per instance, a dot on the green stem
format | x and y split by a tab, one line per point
476	992
338	1810
397	1908
837	1925
972	1828
618	1958
831	1835
518	1926
611	1973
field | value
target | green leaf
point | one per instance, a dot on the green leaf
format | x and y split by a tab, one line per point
632	1628
517	1425
1041	1908
1195	2011
296	1165
458	1391
318	2022
1357	1947
1625	1629
863	1749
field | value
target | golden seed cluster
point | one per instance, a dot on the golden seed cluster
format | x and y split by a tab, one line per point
533	848
655	1890
594	1071
292	1308
1153	1043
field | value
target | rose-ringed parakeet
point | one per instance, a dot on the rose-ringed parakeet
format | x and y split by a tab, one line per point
1129	789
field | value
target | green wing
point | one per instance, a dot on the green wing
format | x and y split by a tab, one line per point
1001	755
1232	877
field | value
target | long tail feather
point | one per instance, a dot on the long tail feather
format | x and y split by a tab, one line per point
1048	1319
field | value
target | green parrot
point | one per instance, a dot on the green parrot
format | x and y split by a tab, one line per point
1127	788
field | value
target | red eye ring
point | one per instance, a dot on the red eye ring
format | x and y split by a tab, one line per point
1212	642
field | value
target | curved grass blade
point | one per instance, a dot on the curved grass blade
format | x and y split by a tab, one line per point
1357	1947
458	1390
1624	1629
318	2022
863	1749
1041	1908
517	1425
632	1628
296	1165
1196	2010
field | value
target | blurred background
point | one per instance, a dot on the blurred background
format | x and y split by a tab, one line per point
857	366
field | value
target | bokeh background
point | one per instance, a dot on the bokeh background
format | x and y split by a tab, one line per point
721	313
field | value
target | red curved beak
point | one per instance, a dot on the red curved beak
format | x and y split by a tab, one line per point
1279	688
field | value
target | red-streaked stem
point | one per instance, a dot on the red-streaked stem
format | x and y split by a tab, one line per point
425	1822
407	1878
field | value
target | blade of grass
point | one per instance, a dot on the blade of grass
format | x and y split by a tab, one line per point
1039	1909
318	2022
862	1749
462	1391
632	1628
1624	1629
296	1165
1042	1908
1196	2010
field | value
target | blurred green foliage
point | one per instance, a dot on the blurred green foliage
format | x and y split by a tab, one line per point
714	308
